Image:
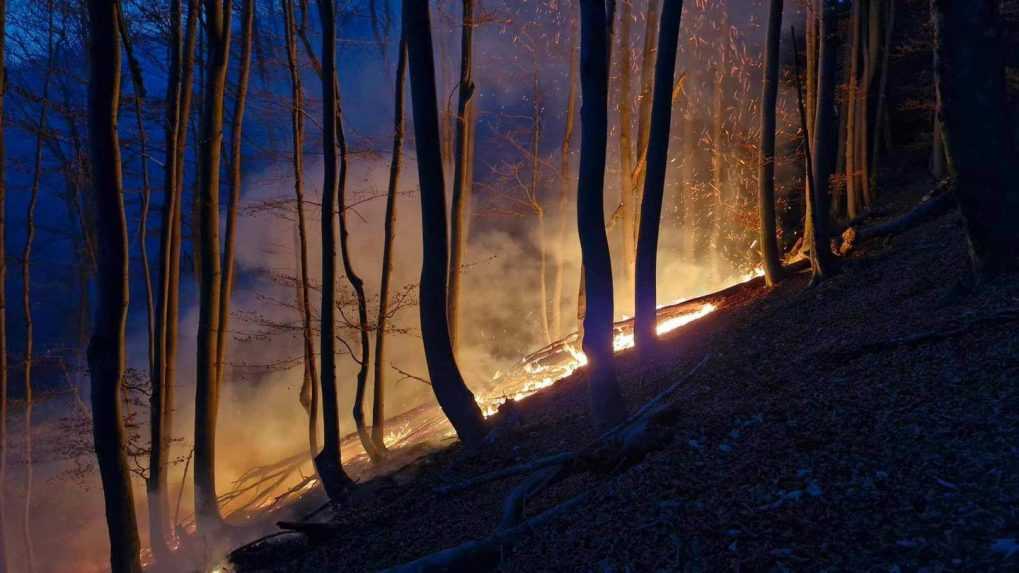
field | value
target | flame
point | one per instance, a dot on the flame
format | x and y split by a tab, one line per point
541	376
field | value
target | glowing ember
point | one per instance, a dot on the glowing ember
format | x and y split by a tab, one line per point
539	375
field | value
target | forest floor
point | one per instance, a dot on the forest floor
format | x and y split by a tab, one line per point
870	423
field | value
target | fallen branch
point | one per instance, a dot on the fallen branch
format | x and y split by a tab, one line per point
614	451
512	471
932	207
485	554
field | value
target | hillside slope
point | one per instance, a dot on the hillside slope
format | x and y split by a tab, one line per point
868	423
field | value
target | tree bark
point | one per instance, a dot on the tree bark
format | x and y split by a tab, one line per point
162	375
106	354
454	397
42	128
564	179
4	565
766	151
608	408
854	193
647	74
327	462
823	143
379	387
217	34
364	360
979	145
628	207
463	169
645	305
236	146
304	288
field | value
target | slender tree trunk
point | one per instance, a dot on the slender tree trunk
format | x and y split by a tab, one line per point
178	105
304	288
979	144
364	360
4	564
217	32
880	117
138	85
854	195
647	74
823	144
872	26
454	397
766	151
379	387
106	354
811	48
327	462
565	179
608	407
463	170
42	128
236	145
539	211
646	312
717	133
628	207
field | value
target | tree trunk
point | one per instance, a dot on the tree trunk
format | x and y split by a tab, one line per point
766	151
26	295
217	33
565	180
823	143
717	132
454	397
854	195
979	144
628	207
236	145
880	114
106	354
379	388
463	170
608	407
4	565
811	48
304	288
647	74
162	376
364	360
327	462
646	312
539	211
137	83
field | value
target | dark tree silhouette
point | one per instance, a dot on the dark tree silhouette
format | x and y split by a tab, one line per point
645	305
106	354
766	151
607	403
454	397
981	152
327	462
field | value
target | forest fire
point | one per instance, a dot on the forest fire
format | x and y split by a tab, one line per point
558	361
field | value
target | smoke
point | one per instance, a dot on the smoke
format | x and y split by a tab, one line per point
261	420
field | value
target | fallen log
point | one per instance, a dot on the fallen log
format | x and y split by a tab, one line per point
936	205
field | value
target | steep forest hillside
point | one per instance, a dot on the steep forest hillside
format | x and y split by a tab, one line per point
556	285
866	424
